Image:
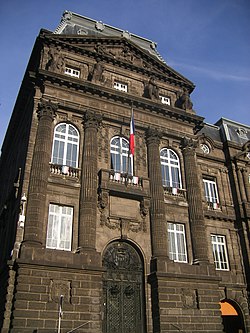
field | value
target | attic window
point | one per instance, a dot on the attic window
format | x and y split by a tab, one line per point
72	71
121	86
165	100
205	148
242	133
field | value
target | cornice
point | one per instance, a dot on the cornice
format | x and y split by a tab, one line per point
43	76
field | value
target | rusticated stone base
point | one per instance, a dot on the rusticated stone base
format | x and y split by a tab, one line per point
181	302
38	290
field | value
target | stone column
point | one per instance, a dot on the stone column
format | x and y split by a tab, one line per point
241	183
157	206
35	213
246	174
194	196
88	200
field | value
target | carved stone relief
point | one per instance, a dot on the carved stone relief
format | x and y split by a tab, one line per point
103	144
183	101
134	221
140	152
190	299
58	288
151	90
96	75
55	61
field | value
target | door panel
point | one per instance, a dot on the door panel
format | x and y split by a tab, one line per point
123	289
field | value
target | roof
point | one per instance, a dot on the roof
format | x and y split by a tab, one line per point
75	24
234	131
211	131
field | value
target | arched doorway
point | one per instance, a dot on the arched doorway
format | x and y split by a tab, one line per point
232	317
124	296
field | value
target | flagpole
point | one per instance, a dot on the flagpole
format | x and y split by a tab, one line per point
60	313
132	141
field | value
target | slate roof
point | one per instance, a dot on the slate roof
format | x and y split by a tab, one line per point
75	24
234	131
212	131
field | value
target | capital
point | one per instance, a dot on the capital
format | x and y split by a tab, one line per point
92	119
189	144
153	136
46	109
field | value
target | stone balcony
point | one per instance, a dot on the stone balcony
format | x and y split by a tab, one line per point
63	170
123	183
175	192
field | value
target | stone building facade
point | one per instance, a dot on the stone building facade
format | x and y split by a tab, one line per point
96	236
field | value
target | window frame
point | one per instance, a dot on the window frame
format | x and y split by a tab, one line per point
220	257
166	100
121	86
124	156
59	223
70	71
64	143
208	190
177	244
168	165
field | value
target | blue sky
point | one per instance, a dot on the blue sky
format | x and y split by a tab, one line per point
207	41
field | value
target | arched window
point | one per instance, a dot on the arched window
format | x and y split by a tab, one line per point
120	159
170	168
65	145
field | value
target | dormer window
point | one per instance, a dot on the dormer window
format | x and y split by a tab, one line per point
72	71
165	100
242	133
205	148
121	86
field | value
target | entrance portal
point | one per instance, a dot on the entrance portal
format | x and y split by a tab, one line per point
232	318
123	289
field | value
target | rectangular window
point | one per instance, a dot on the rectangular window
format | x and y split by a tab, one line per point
211	193
72	71
165	100
59	229
121	86
177	242
220	252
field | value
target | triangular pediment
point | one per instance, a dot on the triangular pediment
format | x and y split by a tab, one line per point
123	52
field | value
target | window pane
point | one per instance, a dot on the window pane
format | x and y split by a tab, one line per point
66	145
119	150
220	252
177	242
210	189
59	229
171	176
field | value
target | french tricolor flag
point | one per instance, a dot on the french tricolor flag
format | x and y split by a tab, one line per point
132	134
